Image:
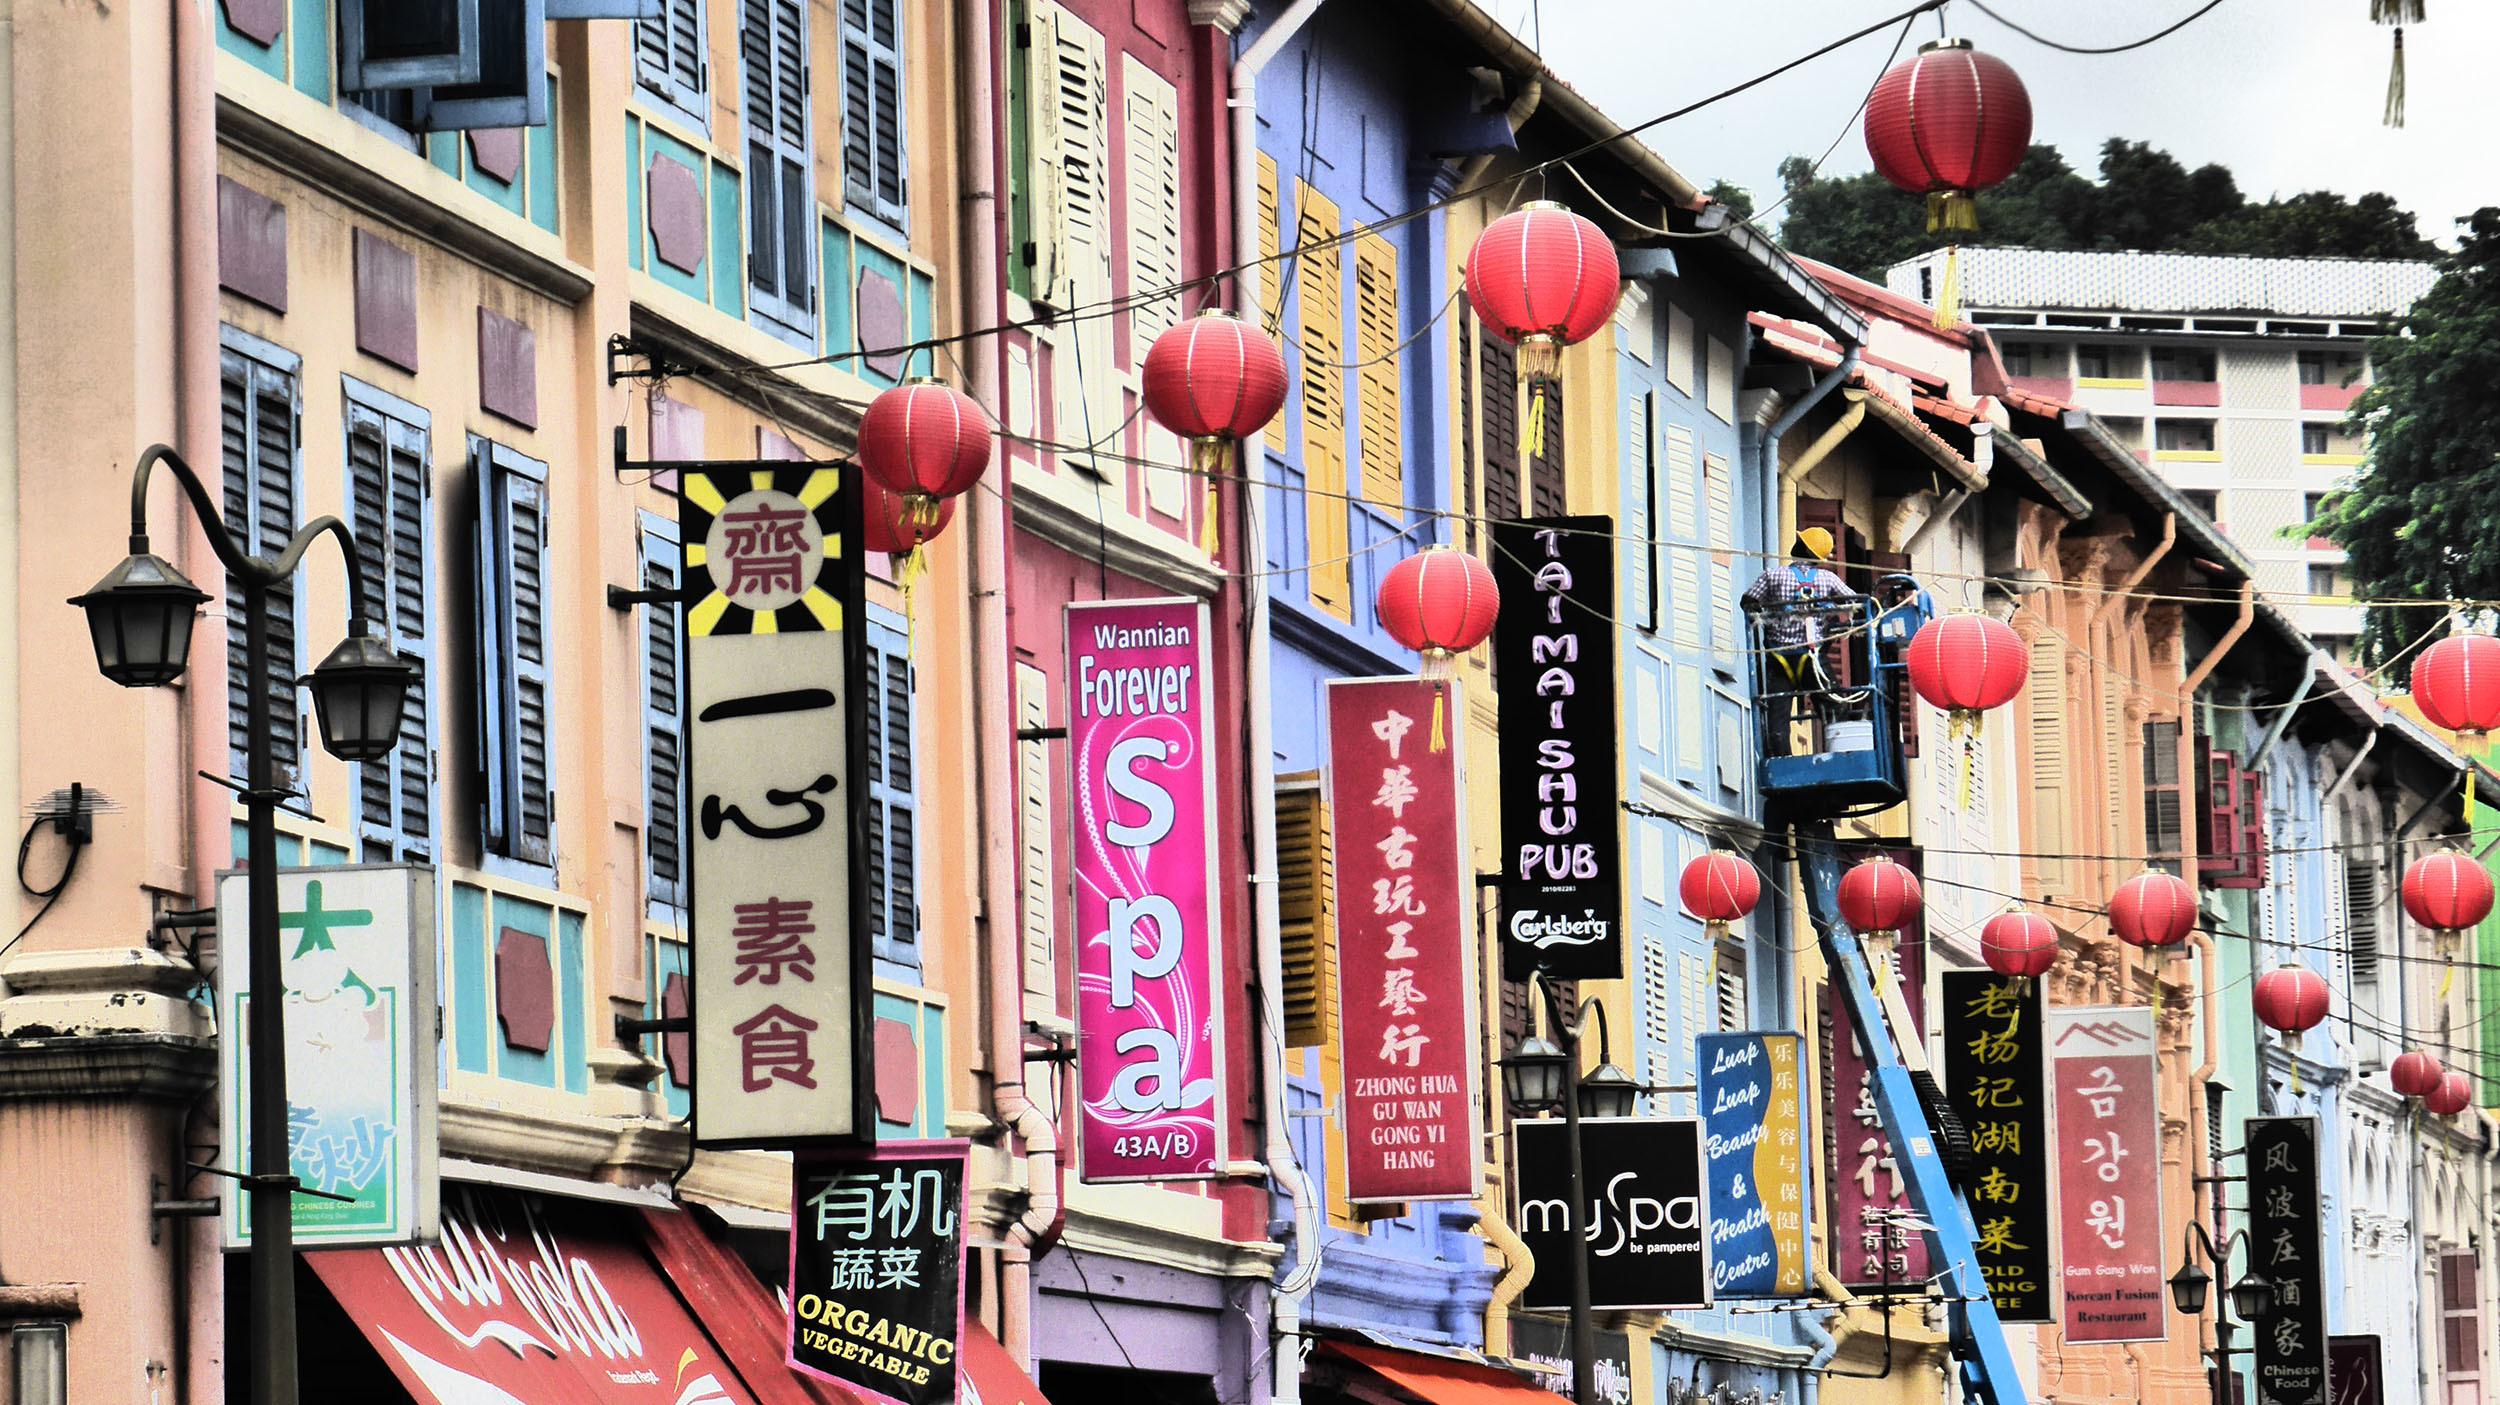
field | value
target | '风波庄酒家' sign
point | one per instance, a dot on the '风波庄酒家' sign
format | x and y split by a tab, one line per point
1148	1013
1403	952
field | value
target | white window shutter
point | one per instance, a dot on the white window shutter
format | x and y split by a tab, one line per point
1657	1017
1036	889
1154	200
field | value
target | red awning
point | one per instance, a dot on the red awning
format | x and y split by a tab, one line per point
540	1300
1442	1380
989	1376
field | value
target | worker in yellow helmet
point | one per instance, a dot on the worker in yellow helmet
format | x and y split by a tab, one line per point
1785	599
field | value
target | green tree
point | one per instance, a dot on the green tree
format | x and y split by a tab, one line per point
1738	200
2318	222
2418	520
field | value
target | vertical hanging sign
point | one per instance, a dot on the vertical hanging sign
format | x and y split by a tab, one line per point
1753	1115
776	767
876	1269
1403	958
1149	1025
1993	1077
1562	886
2108	1173
1871	1249
2283	1244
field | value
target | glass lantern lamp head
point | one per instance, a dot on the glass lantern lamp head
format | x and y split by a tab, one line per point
2252	1298
139	618
2189	1288
358	693
1608	1092
1532	1076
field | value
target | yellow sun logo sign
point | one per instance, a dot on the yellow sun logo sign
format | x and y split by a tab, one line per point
769	543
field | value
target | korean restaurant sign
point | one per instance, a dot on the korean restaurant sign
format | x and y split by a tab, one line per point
1872	1246
1993	1071
776	742
1404	958
1149	1022
1554	652
1750	1093
2283	1244
2108	1173
876	1269
1646	1215
357	947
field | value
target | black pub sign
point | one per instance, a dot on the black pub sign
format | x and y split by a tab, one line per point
1553	649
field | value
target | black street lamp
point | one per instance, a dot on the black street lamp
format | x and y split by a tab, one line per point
2252	1296
1542	1076
140	617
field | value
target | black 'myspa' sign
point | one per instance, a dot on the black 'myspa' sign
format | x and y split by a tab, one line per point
1645	1208
1553	647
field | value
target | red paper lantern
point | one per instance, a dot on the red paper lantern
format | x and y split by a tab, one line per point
2447	892
926	442
2454	1094
2018	943
2456	683
1967	664
888	524
2153	910
2291	999
1543	278
1439	601
1945	123
2415	1074
1214	377
1720	888
1879	895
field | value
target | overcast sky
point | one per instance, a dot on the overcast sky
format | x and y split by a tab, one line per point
2287	93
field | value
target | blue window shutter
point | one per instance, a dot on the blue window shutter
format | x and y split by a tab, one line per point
260	429
874	159
516	742
893	799
671	55
781	212
387	492
663	654
489	708
511	87
407	43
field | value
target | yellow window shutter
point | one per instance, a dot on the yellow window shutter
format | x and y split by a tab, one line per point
1305	906
1271	274
1322	298
1376	356
2051	767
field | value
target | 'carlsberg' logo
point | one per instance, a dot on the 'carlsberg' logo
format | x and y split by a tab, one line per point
1542	930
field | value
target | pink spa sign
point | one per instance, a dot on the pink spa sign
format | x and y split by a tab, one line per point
1149	1026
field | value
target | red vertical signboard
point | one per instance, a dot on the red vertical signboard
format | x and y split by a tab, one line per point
2108	1173
1403	955
1870	1194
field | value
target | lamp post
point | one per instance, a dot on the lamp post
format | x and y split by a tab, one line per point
1540	1076
2252	1297
139	617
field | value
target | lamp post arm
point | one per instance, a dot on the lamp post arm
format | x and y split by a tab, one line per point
1605	1050
261	571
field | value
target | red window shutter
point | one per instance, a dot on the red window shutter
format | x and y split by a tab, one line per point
2218	828
2253	835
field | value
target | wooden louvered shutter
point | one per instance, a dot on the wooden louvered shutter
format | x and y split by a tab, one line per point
1271	272
772	49
1498	384
1546	472
663	710
1656	998
874	159
1471	508
893	801
1306	907
1154	204
670	55
387	489
1727	624
1380	440
1322	300
2051	766
1727	986
2361	917
1037	887
515	737
260	427
2165	806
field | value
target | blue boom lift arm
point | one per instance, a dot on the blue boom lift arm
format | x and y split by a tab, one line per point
1987	1365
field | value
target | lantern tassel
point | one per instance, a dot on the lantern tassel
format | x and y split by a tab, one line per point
2448	958
1532	432
1440	718
1949	290
1951	209
907	575
2469	797
2153	965
2395	113
2291	1056
1209	458
1965	724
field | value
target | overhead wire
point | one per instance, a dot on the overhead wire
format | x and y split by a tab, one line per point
2165	32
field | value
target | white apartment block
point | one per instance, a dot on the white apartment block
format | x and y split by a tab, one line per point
2229	374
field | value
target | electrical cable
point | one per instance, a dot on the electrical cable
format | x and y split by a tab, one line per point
72	833
2163	33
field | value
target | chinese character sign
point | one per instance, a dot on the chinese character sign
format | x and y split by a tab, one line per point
1148	1022
357	948
2108	1173
775	760
1403	954
2357	1370
1646	1212
876	1269
1753	1110
1562	886
1872	1246
2283	1244
1993	1077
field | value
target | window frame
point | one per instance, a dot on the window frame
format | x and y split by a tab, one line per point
799	319
357	395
